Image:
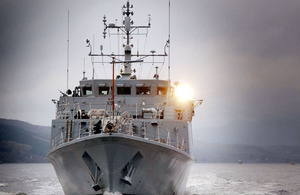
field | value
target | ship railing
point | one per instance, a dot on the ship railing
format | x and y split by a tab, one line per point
138	110
68	114
69	133
69	111
62	114
179	142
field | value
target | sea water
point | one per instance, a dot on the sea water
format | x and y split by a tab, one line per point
31	179
252	179
205	178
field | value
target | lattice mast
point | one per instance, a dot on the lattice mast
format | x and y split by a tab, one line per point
127	28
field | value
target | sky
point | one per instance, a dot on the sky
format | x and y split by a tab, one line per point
241	57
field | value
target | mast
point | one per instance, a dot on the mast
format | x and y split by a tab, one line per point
68	50
169	66
127	48
128	29
113	87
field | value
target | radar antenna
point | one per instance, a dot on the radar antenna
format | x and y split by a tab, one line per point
128	28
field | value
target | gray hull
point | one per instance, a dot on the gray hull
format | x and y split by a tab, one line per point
119	163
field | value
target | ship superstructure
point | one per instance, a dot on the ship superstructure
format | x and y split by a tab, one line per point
123	135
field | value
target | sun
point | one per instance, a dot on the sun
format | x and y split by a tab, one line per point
183	92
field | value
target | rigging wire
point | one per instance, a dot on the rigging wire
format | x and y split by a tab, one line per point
163	63
109	40
104	68
95	72
93	57
151	66
169	66
83	71
93	66
150	70
145	43
118	44
68	49
141	70
140	67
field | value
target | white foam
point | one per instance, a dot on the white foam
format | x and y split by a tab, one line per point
5	193
112	193
3	185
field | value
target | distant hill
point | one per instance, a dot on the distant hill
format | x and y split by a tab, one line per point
226	153
21	142
276	131
270	140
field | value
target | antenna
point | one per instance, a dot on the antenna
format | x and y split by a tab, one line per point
84	77
128	29
68	50
156	76
93	57
169	67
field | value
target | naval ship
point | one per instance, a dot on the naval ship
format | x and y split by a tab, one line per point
124	135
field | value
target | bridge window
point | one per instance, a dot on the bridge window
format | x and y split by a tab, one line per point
87	91
103	90
162	91
143	90
124	90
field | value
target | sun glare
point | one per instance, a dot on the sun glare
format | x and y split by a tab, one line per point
184	93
